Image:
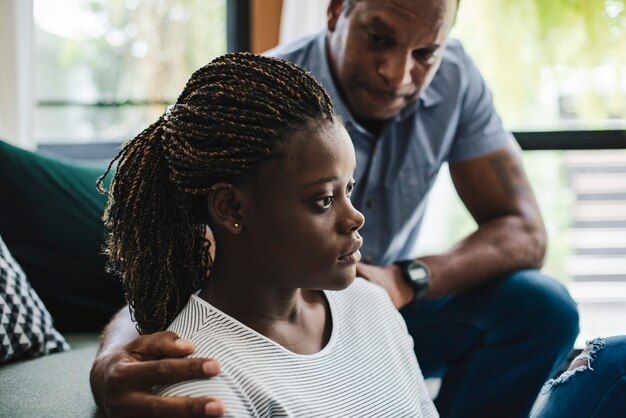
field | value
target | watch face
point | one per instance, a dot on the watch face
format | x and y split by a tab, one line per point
418	273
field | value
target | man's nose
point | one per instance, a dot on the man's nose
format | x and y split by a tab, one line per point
397	70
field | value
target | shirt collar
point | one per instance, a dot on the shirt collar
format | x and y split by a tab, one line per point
430	96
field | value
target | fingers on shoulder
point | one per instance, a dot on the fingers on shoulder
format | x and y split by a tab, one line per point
165	406
168	371
162	344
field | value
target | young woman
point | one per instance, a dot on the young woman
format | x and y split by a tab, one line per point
254	150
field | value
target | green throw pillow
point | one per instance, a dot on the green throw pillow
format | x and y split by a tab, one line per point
51	221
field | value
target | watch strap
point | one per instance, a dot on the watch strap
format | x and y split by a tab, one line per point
419	286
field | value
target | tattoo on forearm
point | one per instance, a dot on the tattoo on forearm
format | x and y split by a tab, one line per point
511	174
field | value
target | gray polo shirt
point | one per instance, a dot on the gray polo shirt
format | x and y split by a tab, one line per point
453	120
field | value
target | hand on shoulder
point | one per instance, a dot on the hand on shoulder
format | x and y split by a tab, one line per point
390	279
122	378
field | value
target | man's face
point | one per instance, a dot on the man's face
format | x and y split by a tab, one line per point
384	53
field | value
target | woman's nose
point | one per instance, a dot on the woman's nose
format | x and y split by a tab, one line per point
353	220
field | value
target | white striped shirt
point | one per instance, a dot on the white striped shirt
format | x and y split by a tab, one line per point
368	367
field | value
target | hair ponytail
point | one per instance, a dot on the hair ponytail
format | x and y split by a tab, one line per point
151	233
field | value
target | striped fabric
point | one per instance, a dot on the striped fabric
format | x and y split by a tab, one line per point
368	367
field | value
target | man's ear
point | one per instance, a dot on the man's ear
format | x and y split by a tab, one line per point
224	205
335	7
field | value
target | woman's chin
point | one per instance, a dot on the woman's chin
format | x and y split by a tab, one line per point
341	283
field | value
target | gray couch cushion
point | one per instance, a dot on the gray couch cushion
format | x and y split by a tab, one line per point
56	385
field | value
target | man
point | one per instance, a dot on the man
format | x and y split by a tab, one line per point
481	315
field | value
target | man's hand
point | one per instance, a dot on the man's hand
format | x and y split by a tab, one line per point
122	378
390	279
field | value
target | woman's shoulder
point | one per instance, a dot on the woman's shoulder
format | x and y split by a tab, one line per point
208	327
189	320
363	299
220	336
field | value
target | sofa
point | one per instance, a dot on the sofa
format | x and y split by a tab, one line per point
51	222
54	385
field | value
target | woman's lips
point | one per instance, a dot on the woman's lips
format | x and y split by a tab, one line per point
351	258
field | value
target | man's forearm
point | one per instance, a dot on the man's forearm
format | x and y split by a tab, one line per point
510	234
119	331
497	247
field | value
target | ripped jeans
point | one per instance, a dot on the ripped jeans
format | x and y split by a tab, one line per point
593	387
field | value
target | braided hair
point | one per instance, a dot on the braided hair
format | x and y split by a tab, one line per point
228	120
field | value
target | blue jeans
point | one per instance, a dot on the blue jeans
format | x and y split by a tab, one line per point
496	345
595	389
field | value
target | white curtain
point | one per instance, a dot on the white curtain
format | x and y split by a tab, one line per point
301	18
16	72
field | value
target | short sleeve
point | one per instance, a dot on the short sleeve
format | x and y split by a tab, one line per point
480	129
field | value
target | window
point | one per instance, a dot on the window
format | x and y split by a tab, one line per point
552	64
108	68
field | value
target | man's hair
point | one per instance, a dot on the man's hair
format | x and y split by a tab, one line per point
349	4
229	119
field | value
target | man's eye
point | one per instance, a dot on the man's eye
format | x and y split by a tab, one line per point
424	55
377	40
324	202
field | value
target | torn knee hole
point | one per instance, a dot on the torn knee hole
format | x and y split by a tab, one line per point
581	363
581	360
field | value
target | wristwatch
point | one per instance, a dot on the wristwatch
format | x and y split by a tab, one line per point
417	275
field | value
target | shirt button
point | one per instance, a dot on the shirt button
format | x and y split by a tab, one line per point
371	203
368	259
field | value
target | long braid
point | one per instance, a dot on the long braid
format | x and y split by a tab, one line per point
229	118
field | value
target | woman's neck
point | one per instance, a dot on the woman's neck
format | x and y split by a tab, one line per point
297	319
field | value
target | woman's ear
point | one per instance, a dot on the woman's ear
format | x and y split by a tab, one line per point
224	205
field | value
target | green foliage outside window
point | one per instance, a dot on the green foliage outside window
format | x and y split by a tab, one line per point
118	51
552	64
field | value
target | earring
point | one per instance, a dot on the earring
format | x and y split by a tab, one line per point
236	225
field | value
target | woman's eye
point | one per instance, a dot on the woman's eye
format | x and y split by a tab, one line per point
350	189
325	202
